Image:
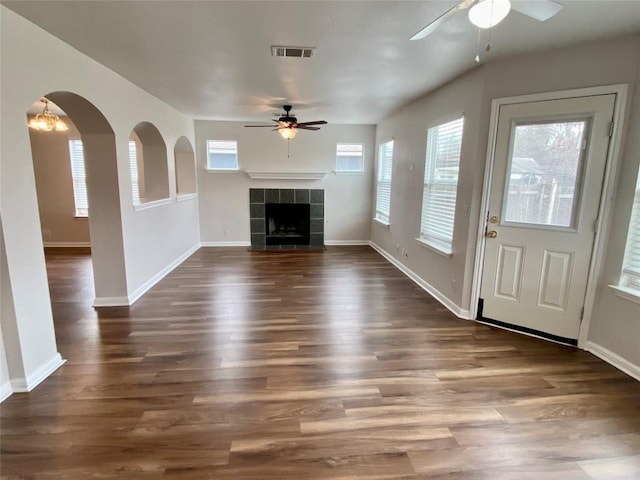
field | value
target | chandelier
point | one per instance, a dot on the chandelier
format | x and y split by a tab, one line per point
47	121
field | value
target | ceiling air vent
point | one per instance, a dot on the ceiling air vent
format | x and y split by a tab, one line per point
299	52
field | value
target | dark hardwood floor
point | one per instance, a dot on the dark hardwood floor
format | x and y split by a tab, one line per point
308	365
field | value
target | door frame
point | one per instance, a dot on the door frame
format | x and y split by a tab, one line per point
606	197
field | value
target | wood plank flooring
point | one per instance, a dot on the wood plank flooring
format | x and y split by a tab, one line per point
308	365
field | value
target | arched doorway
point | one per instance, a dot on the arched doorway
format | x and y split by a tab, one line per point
105	220
27	327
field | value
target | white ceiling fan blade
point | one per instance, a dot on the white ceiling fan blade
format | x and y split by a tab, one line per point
539	9
433	26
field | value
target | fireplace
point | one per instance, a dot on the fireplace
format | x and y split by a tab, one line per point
286	218
287	223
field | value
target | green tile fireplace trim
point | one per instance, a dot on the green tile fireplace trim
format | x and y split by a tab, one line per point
258	197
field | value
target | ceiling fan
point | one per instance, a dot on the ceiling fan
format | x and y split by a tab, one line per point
488	13
287	124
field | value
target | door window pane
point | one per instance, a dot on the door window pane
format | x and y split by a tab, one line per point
544	175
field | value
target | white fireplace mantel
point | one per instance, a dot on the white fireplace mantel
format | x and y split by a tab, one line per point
286	175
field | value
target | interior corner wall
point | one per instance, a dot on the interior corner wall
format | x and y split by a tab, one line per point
599	63
224	196
153	239
54	184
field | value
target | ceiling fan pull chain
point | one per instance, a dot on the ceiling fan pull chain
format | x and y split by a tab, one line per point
288	142
477	59
488	47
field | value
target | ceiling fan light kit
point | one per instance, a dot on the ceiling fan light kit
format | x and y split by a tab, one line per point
288	125
288	133
489	13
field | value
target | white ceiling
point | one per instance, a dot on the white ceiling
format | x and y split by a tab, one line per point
212	59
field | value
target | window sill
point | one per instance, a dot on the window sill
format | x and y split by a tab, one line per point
81	217
626	293
152	204
186	196
223	170
382	222
440	248
350	172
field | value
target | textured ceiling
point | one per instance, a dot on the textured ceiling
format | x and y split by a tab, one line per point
212	59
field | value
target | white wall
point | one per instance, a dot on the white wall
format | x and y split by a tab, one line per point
616	322
54	184
152	239
224	197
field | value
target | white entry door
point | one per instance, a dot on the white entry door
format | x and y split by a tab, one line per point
544	196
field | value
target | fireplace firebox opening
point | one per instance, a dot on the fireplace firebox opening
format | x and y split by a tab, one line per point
287	223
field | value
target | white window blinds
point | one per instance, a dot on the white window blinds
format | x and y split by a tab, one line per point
133	167
349	157
631	265
222	155
383	181
442	163
81	201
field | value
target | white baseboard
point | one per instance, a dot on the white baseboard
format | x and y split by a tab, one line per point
614	359
434	292
66	244
5	391
240	243
345	242
33	380
111	302
146	286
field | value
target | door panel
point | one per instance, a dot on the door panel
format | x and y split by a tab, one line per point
544	196
555	279
509	271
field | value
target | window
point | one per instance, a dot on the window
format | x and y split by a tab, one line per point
222	155
349	157
544	177
133	166
631	265
442	162
80	199
383	182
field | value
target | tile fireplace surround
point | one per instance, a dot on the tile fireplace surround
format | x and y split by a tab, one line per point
258	197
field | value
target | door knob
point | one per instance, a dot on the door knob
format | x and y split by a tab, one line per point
492	234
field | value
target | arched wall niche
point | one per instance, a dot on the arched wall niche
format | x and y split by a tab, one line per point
185	166
149	166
